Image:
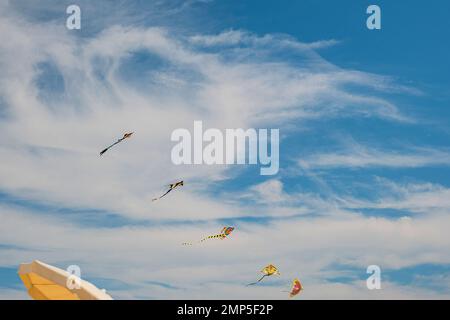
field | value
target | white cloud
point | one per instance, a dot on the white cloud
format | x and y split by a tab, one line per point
358	156
269	191
128	253
94	111
426	198
237	37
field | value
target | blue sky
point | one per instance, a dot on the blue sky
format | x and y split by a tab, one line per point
364	152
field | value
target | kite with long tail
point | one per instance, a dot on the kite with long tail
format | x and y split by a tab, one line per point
226	231
268	271
296	288
171	187
125	136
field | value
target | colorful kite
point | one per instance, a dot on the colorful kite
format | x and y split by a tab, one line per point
125	136
296	288
268	271
171	187
226	231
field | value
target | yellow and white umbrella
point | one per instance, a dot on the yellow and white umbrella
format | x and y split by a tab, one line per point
45	282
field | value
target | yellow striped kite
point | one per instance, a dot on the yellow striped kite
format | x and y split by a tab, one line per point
226	231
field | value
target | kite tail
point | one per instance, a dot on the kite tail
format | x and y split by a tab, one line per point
221	236
154	199
217	236
162	195
253	283
107	148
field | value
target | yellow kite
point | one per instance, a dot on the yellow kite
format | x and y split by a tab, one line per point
267	271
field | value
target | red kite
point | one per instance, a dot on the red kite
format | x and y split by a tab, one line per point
296	288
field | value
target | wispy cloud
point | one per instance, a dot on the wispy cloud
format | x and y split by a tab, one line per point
426	198
242	37
359	156
98	102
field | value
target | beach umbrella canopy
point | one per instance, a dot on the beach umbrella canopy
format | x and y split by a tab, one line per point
45	282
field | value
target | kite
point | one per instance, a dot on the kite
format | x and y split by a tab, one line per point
268	271
125	136
296	288
226	231
171	187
